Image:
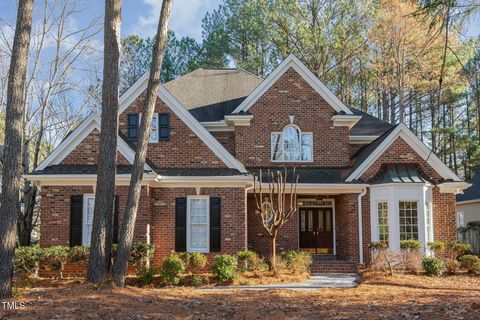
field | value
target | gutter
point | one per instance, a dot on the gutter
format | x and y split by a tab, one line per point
360	228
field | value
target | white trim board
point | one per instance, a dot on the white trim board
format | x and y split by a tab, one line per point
401	131
293	62
91	123
217	148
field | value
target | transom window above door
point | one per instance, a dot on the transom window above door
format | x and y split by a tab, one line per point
292	145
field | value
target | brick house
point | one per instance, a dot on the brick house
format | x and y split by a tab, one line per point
361	179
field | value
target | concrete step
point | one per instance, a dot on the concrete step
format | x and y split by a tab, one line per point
332	266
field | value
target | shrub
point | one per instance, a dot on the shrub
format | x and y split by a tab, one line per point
476	269
249	260
378	246
77	254
198	261
57	257
473	224
469	261
452	266
410	245
225	267
432	266
145	275
198	280
185	257
296	261
141	254
171	270
27	260
437	247
457	248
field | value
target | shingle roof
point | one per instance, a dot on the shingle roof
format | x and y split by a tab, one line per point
123	169
472	193
216	111
368	125
80	169
205	87
308	175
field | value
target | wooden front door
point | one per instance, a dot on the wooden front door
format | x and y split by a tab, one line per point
316	230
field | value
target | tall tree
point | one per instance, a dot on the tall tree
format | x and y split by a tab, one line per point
12	157
101	243
128	225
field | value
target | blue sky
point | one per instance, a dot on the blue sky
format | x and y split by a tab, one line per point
139	16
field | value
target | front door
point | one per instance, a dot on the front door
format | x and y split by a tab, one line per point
316	230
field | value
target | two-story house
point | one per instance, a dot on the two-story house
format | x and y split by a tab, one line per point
361	179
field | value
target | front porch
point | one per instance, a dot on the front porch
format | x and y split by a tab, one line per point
325	225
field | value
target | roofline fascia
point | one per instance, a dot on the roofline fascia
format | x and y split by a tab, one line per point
468	201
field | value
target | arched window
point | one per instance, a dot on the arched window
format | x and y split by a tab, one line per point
291	145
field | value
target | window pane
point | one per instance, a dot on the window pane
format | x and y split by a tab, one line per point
198	224
408	220
154	128
306	147
276	147
302	220
310	220
382	210
291	143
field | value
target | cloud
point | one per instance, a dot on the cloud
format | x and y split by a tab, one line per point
186	19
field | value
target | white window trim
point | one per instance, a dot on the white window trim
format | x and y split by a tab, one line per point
189	198
290	161
84	217
155	115
377	222
393	194
458	219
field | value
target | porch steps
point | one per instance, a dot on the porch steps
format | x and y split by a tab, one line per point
331	264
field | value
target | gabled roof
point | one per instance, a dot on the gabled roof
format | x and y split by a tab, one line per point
293	62
371	153
204	87
368	125
217	148
91	123
473	192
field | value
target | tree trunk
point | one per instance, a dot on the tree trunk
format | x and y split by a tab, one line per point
128	225
12	156
25	223
273	252
101	244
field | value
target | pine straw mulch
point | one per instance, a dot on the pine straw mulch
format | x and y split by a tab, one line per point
378	296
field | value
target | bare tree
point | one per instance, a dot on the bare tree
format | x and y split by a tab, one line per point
273	206
101	244
12	156
128	225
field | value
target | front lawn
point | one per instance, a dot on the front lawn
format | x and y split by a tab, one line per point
378	296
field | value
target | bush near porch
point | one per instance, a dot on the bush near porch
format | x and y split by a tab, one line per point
187	269
447	258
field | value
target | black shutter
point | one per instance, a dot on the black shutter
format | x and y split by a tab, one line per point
163	126
132	126
215	224
181	225
76	219
115	221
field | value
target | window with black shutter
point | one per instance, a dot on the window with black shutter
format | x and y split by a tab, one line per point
76	220
164	126
215	224
181	224
132	126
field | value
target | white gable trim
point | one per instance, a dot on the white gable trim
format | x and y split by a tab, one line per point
91	123
218	149
401	131
293	62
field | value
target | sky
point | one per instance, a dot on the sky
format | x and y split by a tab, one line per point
139	16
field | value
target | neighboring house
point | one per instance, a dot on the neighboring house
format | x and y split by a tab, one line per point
468	203
361	179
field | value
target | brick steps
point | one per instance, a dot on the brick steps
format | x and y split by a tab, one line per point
325	264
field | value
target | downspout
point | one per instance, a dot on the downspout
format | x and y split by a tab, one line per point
246	215
360	229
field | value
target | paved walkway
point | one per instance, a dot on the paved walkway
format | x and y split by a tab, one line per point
316	281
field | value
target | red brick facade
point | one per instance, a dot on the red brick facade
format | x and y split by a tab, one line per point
184	149
291	95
